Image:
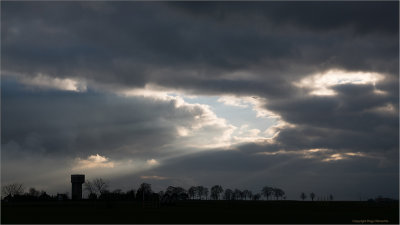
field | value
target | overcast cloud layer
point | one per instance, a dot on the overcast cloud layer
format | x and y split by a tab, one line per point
100	88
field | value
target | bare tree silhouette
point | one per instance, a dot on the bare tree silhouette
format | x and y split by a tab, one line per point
312	196
199	192
192	192
216	190
242	195
228	194
175	193
12	189
33	192
131	194
250	194
89	187
92	196
144	192
247	194
96	186
256	197
100	185
117	191
303	196
278	193
205	192
267	191
237	194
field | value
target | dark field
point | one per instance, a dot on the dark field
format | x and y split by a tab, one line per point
201	212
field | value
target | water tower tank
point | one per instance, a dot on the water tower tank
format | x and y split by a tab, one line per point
77	180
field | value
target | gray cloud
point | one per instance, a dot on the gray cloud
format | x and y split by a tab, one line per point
204	48
81	124
134	43
345	122
312	15
345	179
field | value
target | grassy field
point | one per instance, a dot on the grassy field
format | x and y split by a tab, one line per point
231	212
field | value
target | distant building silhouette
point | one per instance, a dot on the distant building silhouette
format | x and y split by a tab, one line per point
77	180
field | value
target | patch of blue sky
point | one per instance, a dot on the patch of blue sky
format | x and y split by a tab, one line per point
236	116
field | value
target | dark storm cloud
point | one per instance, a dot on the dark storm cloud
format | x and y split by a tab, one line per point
132	43
363	16
355	120
208	48
349	110
197	47
244	170
81	124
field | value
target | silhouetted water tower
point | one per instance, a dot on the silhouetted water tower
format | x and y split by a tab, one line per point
77	180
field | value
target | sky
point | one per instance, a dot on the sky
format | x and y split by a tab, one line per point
303	96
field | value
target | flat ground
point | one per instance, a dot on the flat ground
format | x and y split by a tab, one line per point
230	212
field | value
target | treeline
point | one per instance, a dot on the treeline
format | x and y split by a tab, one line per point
16	192
98	189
